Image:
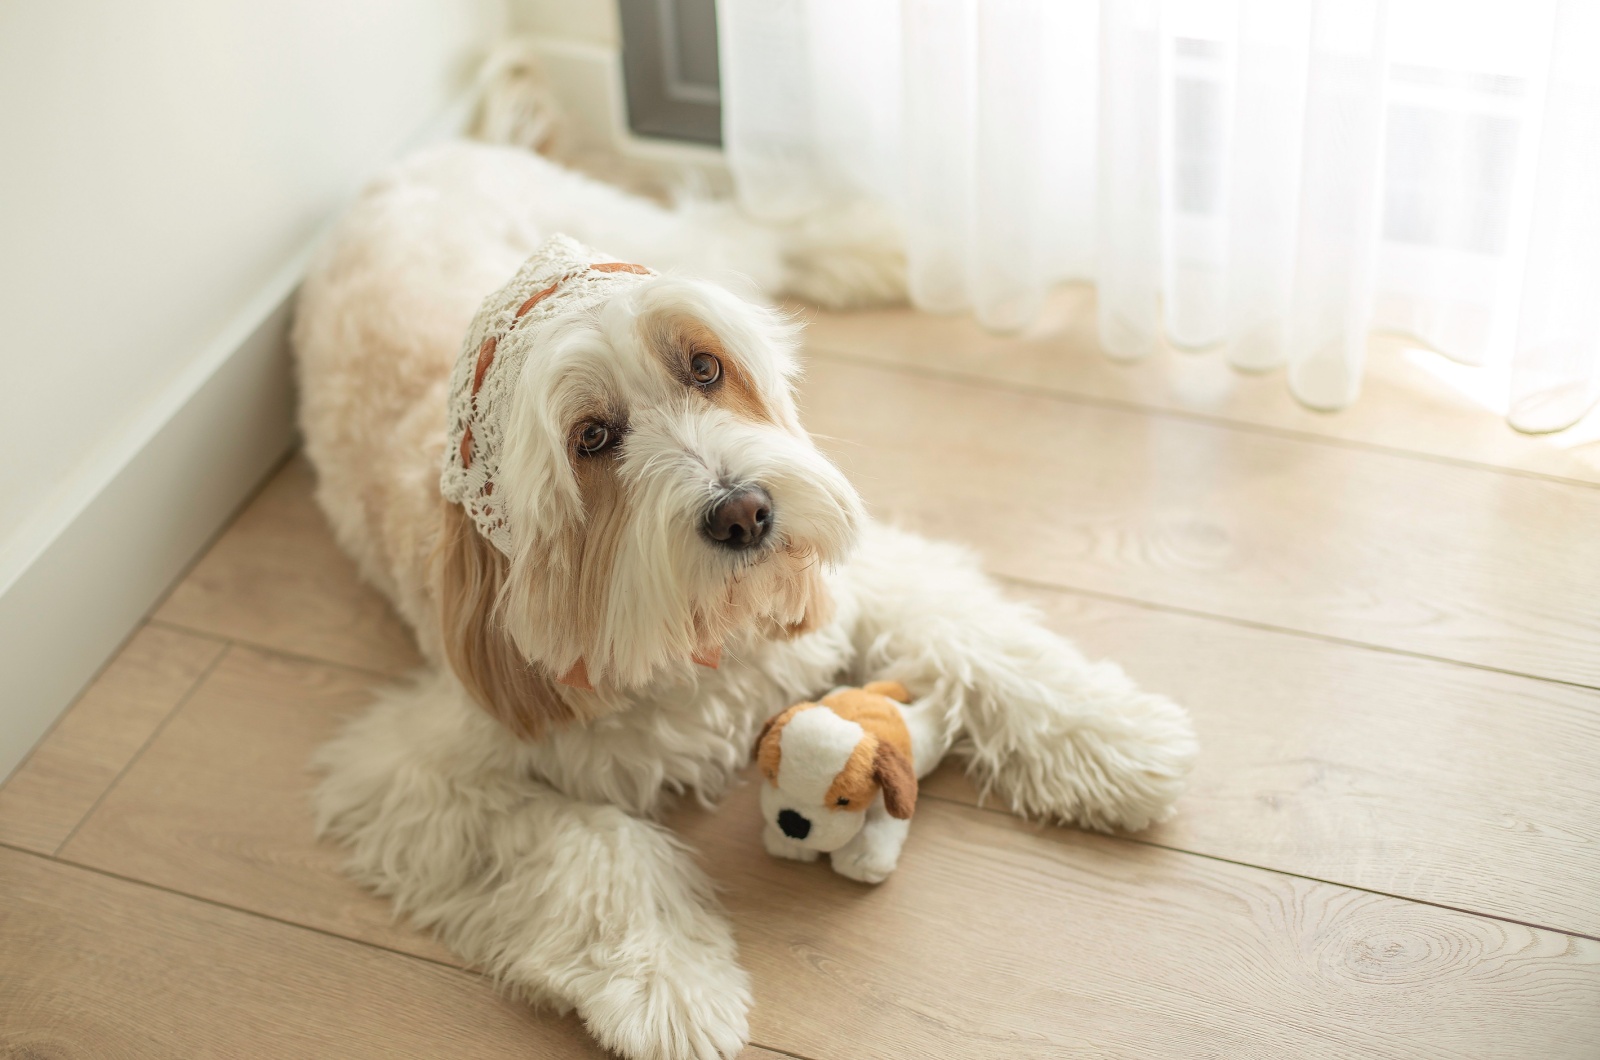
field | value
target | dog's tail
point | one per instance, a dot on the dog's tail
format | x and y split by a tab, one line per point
515	104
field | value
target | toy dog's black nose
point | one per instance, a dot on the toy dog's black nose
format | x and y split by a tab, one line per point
793	825
741	519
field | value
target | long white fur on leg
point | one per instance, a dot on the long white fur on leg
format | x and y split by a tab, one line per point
1055	735
573	904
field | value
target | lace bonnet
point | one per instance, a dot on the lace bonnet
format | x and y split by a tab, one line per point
563	277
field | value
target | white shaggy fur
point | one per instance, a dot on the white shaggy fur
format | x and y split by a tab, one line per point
538	860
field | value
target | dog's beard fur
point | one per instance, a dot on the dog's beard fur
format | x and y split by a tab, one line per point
610	574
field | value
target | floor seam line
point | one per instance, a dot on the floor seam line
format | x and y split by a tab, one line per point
828	353
282	653
1135	841
242	910
780	1052
1250	623
55	722
144	746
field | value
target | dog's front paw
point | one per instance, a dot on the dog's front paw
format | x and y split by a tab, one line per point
1121	764
781	846
693	1004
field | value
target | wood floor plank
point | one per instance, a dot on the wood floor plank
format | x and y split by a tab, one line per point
995	938
277	578
1448	561
1407	776
1403	405
99	735
219	806
97	967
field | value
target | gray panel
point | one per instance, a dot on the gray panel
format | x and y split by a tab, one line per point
669	61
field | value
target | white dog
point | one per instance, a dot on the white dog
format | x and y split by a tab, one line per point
637	557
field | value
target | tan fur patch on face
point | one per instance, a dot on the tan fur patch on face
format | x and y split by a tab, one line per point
677	340
855	782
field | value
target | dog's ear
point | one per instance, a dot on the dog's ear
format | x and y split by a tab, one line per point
898	780
468	574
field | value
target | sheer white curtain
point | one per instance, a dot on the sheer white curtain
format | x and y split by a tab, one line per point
1271	178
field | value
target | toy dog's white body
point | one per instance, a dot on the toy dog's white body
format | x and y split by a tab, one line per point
841	777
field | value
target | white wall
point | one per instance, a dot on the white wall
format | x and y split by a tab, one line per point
164	168
159	161
585	21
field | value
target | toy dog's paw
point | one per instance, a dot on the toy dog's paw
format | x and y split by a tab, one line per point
865	864
781	846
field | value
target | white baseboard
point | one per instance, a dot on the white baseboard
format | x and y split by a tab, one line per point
76	579
83	573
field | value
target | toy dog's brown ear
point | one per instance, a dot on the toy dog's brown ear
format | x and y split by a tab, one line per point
767	760
769	752
897	779
766	727
893	689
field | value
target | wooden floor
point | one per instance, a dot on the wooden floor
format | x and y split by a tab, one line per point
1385	622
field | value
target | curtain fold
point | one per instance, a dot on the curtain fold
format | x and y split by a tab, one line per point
1272	179
939	67
1555	377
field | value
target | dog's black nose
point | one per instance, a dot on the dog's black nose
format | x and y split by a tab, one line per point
741	519
793	825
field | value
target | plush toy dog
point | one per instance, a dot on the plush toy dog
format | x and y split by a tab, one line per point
842	777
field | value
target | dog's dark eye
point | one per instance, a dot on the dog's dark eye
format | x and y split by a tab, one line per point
704	369
842	802
594	438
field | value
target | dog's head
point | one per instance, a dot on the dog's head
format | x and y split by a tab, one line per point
826	763
631	491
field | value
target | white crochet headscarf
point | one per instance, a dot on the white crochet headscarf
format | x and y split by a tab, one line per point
563	277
